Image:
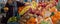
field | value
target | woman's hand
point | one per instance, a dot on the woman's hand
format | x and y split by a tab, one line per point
6	9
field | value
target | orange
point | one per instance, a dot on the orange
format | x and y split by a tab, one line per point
31	21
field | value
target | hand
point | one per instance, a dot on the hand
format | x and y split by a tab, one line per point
6	9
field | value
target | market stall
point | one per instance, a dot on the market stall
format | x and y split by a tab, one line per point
37	12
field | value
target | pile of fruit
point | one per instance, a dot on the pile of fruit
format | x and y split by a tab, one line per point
43	13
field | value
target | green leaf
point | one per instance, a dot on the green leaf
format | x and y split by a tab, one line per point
52	14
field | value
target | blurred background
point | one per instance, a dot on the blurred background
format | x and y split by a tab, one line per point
14	9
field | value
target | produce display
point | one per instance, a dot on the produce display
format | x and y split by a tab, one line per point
41	13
